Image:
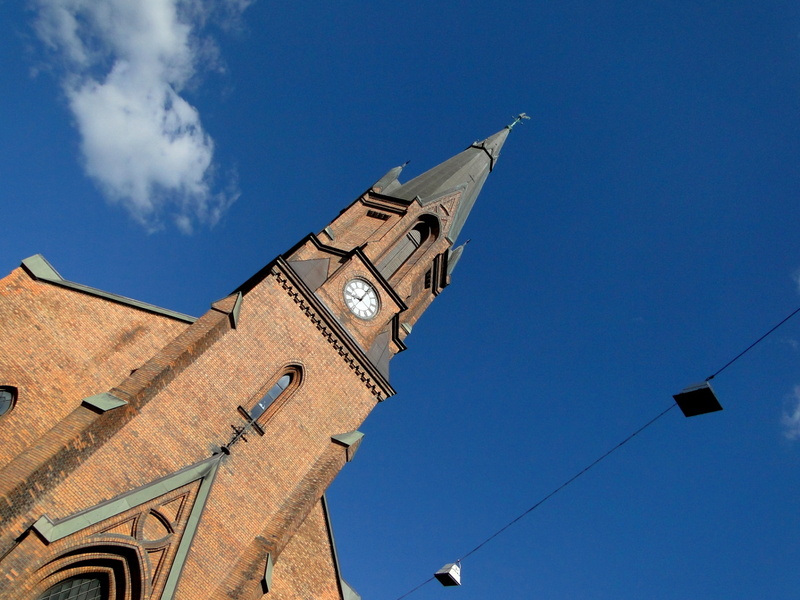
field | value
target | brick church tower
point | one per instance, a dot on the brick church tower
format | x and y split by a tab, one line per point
123	468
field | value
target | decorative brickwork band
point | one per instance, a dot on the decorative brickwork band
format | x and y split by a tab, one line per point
347	349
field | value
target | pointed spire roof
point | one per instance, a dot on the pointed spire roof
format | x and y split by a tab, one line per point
467	170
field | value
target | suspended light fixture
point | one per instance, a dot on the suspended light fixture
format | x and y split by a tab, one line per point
697	399
450	574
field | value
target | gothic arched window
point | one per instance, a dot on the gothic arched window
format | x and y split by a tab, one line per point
405	249
285	385
78	588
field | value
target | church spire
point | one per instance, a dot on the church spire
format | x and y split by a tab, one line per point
467	170
380	263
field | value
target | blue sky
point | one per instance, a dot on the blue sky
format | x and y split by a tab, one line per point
638	232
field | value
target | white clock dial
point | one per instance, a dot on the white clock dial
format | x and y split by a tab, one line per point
361	298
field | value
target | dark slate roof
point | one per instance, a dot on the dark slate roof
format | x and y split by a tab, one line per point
467	170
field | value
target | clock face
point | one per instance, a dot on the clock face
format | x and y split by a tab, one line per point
361	298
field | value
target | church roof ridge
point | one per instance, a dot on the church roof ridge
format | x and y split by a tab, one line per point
40	269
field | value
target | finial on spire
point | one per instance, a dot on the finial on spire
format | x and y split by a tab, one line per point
517	119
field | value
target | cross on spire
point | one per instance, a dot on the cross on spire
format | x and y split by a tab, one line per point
517	119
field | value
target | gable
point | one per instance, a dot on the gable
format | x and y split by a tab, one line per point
147	531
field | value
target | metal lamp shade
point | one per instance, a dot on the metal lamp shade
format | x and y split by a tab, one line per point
697	399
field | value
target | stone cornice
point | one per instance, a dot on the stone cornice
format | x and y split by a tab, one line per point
396	206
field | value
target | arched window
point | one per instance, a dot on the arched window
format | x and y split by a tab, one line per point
285	384
83	587
113	569
404	249
8	397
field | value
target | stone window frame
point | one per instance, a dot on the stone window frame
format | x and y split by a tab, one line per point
116	563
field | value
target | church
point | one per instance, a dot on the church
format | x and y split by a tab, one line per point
148	454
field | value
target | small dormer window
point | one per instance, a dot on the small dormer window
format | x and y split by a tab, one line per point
8	398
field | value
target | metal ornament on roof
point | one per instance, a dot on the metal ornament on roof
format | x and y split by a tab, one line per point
449	575
697	399
517	119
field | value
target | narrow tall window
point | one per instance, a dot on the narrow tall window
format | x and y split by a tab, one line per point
272	395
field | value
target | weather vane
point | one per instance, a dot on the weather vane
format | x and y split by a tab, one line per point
517	119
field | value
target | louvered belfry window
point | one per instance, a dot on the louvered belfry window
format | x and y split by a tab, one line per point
404	249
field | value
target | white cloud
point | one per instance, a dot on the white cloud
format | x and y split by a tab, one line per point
125	63
791	416
796	277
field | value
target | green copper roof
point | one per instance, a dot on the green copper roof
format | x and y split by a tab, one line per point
467	170
348	593
103	402
454	257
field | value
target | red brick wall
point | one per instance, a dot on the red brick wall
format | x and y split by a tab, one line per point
305	569
191	417
183	406
61	346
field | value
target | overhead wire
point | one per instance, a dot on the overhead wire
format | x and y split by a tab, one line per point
600	459
751	346
550	495
408	593
567	482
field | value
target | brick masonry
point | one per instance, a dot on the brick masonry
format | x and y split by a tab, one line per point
182	385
